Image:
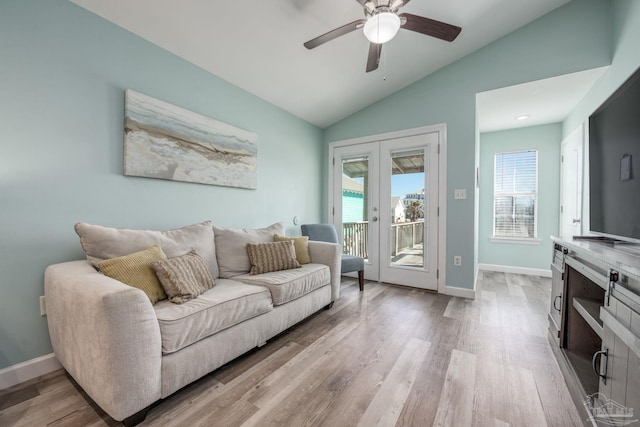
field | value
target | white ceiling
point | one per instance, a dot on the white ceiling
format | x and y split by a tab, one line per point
257	44
543	101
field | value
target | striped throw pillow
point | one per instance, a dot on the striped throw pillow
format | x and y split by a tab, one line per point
275	256
183	278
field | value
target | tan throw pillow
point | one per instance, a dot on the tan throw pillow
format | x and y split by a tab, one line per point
274	256
100	243
301	245
135	270
231	247
184	277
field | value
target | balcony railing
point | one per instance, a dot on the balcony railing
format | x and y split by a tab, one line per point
355	238
404	235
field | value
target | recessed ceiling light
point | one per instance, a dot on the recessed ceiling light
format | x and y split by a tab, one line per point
523	117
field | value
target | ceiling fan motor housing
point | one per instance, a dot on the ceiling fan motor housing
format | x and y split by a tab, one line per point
382	25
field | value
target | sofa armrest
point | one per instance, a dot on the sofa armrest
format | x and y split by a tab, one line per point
106	335
328	254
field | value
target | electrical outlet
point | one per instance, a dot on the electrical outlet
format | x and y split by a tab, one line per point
43	306
457	260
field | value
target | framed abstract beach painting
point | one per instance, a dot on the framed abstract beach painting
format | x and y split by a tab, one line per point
168	142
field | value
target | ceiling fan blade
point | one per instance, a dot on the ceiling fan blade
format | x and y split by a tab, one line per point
430	27
340	31
373	59
397	4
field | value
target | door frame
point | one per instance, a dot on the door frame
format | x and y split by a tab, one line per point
441	129
577	135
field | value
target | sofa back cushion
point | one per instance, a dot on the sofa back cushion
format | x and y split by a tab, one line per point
231	245
100	243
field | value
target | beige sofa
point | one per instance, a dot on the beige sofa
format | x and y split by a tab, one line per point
127	353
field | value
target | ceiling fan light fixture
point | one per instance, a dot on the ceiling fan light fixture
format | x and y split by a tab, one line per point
382	27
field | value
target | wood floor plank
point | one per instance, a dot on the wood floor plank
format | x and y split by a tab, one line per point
276	386
515	286
385	408
456	399
455	308
189	408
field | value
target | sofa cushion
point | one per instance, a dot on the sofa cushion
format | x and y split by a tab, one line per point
100	243
301	244
135	270
272	256
184	277
226	304
232	247
287	285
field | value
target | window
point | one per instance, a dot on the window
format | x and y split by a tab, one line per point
515	195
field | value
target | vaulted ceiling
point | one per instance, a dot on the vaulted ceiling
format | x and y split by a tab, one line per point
258	45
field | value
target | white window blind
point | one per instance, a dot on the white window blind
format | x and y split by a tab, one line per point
515	195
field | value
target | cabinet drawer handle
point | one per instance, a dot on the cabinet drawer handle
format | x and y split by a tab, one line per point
594	363
558	297
614	276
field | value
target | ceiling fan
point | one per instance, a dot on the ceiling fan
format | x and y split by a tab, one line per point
381	24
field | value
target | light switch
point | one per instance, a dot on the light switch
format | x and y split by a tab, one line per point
460	194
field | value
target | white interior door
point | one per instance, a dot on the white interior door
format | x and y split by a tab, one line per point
385	207
571	184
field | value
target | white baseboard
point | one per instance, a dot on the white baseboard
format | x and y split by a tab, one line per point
515	270
28	370
455	291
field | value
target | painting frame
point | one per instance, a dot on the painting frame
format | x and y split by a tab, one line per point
164	141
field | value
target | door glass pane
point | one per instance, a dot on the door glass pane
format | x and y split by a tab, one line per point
407	208
355	200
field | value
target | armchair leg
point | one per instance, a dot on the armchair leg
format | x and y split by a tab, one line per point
361	279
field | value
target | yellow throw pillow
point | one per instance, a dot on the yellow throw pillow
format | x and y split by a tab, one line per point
135	270
301	244
273	256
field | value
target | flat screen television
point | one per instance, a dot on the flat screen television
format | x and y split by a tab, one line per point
614	173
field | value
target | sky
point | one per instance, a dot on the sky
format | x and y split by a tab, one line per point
406	183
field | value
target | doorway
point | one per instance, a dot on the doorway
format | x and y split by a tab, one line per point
384	200
571	184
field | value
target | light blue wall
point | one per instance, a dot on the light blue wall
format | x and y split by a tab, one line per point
575	37
63	72
546	139
626	59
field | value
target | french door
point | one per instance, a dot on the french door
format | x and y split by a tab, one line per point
384	204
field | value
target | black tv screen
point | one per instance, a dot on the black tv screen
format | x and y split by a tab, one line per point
614	153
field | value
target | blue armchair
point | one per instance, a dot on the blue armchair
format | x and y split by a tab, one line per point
327	233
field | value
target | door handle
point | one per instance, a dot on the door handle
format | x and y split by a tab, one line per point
594	362
374	219
576	221
559	310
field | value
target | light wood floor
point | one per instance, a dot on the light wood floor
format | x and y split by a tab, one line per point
387	356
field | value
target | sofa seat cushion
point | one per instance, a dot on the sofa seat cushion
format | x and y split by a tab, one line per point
287	285
228	303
